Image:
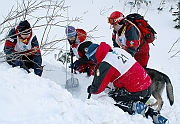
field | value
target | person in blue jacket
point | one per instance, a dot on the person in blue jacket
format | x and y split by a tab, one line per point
22	48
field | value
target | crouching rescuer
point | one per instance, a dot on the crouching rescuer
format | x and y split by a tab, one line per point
22	48
131	84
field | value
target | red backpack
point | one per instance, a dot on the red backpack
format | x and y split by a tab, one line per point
147	32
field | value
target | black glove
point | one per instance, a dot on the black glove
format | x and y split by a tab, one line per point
75	65
17	60
70	54
83	60
90	89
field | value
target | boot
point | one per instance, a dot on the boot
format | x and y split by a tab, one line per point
132	107
157	118
140	108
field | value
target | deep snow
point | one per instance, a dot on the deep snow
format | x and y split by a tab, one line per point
29	99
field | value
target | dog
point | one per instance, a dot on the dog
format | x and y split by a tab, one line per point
159	80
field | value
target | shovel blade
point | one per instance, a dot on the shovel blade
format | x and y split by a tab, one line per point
72	83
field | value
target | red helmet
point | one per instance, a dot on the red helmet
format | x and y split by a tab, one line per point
115	17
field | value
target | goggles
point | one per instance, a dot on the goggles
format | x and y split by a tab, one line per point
113	21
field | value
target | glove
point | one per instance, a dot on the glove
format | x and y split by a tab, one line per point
75	65
17	60
90	89
70	54
38	70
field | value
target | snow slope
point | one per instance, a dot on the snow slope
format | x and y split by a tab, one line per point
29	99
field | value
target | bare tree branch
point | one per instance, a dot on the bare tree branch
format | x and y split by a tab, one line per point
173	45
50	17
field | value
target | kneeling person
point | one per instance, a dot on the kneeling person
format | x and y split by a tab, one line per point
132	85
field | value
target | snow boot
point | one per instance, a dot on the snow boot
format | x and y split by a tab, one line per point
132	107
157	118
140	108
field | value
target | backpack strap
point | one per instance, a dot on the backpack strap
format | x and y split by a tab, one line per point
136	28
140	34
117	36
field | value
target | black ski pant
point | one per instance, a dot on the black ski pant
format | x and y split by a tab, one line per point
125	99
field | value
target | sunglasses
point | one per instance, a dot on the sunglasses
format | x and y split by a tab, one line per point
113	21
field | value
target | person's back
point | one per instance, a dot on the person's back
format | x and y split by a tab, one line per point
119	67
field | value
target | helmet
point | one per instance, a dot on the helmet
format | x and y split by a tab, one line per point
115	17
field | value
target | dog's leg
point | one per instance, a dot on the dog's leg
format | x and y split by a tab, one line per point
154	104
159	101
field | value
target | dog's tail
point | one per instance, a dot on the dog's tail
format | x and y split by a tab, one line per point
169	89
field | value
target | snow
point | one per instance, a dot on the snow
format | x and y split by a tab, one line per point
30	99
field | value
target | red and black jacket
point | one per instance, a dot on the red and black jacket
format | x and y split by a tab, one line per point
134	79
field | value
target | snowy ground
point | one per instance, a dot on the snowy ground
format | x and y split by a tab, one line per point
29	99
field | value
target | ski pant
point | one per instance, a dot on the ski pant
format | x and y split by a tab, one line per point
125	99
142	55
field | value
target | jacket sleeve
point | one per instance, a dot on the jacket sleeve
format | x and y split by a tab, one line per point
104	75
9	45
132	43
10	42
37	57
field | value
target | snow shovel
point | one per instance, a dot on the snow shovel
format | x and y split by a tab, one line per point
72	82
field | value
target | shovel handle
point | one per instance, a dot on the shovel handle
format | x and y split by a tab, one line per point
71	51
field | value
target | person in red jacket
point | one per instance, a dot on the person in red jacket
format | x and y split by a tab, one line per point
127	36
79	43
22	48
131	83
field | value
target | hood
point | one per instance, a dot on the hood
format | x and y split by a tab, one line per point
101	52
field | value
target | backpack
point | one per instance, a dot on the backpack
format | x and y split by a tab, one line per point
147	32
